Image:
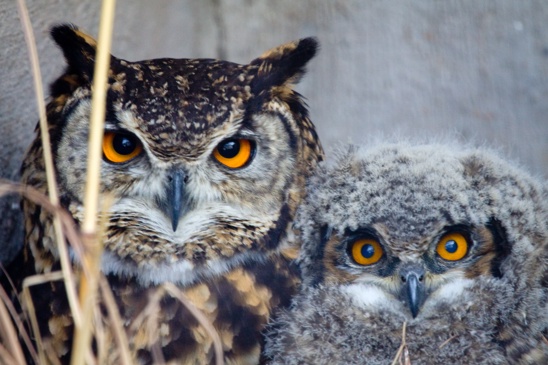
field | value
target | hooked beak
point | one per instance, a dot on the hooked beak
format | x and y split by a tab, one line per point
413	290
173	204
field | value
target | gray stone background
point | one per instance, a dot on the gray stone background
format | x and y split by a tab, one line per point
476	70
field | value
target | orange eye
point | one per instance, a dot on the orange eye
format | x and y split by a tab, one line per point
366	251
234	153
452	247
120	147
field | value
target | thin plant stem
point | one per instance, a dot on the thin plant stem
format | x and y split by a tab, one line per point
8	335
48	159
91	259
116	323
201	318
21	330
402	350
29	304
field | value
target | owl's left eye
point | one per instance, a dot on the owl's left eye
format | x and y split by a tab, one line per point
234	152
366	251
452	246
120	147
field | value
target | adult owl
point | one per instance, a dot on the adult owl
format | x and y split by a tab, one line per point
205	161
436	250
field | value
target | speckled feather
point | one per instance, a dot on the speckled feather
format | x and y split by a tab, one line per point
231	252
490	307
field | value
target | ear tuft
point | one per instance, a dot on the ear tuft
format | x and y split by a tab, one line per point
78	48
286	63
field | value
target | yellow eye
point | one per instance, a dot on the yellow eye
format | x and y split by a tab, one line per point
366	251
452	247
234	153
120	147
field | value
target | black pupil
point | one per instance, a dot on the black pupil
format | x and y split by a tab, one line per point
124	144
229	149
368	251
451	246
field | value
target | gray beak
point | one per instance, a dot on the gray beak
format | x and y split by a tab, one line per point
413	291
174	204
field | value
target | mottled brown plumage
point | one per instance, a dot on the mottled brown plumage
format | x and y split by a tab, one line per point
180	214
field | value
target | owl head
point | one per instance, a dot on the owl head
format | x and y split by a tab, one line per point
204	160
403	227
419	253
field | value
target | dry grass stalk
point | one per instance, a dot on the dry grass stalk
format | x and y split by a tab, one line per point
8	336
21	330
68	229
86	246
202	319
107	298
48	158
148	317
447	341
116	324
100	339
29	305
402	356
6	357
92	257
68	225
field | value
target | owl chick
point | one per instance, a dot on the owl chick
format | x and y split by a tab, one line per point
439	252
205	162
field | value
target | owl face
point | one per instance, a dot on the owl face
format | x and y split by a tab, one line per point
406	226
436	250
367	262
203	160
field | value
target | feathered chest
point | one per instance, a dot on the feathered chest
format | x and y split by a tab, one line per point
159	324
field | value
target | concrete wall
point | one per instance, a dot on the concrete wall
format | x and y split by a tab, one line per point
475	69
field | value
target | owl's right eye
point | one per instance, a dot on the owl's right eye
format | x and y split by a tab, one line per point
120	147
452	247
366	251
234	152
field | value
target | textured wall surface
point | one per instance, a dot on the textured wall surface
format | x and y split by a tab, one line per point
477	71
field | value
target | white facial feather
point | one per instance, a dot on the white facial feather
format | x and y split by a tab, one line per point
369	296
182	273
191	225
450	290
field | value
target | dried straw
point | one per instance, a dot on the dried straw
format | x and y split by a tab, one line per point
21	330
201	318
92	256
402	356
69	230
116	324
48	159
148	315
8	336
87	245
